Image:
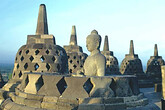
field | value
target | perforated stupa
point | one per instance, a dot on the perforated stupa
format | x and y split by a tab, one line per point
112	66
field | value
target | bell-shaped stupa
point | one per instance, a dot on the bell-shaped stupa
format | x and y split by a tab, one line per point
112	66
154	64
131	64
76	57
40	54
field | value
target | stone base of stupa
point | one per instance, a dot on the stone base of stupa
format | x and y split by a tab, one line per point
44	91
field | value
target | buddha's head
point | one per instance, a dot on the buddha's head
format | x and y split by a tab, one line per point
93	41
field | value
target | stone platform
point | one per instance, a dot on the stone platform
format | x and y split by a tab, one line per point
39	91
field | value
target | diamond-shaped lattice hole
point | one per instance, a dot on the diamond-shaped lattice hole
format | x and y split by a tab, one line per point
16	59
70	71
53	58
47	66
20	52
20	74
61	85
36	66
17	66
70	61
81	66
39	83
47	51
37	52
74	66
42	58
68	57
77	62
88	86
22	58
27	51
74	57
31	58
25	66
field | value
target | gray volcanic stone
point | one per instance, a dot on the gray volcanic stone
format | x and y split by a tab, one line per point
75	88
112	66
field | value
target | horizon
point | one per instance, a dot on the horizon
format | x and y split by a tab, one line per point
140	21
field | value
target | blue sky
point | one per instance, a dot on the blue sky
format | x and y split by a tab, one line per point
122	20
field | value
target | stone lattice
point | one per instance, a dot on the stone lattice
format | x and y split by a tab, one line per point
131	64
112	66
76	57
154	64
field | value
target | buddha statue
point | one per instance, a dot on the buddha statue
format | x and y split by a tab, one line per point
95	63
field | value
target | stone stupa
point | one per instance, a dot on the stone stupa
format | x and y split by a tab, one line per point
131	64
154	65
40	54
1	81
112	66
76	57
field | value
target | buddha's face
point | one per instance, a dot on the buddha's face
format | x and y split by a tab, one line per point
91	44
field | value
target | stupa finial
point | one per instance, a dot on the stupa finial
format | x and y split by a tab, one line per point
42	26
155	50
106	44
131	50
73	37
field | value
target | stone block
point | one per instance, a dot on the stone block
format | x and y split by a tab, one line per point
33	103
158	87
91	107
91	100
22	94
49	88
50	99
75	88
117	106
101	87
69	101
49	105
20	100
35	97
112	100
141	102
12	96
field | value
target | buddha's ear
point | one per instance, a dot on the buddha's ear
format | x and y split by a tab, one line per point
98	45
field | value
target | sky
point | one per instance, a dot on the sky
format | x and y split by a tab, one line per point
142	21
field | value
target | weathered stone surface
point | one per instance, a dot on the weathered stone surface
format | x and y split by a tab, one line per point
50	99
95	63
101	87
49	88
122	87
91	100
42	26
75	88
112	100
49	105
158	87
31	86
118	106
20	100
67	100
33	103
91	107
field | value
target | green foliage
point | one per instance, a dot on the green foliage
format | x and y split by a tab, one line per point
9	76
